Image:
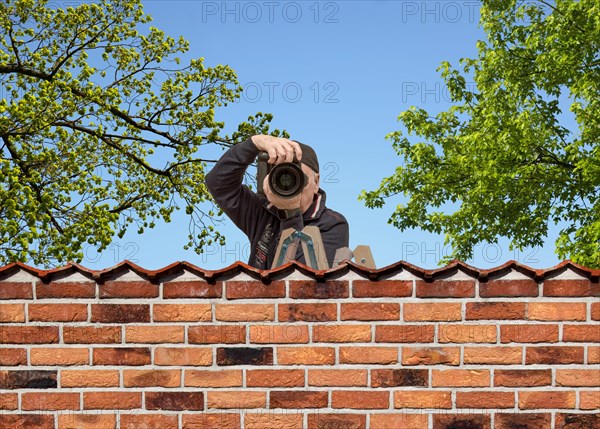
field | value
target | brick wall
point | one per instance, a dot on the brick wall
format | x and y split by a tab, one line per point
399	347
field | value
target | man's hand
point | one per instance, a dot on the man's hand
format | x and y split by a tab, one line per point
280	150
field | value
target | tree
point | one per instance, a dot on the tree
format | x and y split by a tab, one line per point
101	127
502	161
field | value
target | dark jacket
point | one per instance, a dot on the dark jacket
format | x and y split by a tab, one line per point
258	219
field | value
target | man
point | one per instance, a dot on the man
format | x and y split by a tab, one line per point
263	218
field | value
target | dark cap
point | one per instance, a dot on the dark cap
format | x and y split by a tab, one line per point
309	157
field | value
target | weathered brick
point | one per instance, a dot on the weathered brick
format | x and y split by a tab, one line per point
531	400
522	420
437	399
27	421
271	420
381	288
553	355
464	333
65	290
58	312
244	312
522	377
297	399
112	400
305	355
217	334
154	334
121	356
91	334
485	399
59	356
28	334
595	310
219	420
16	290
89	378
341	333
279	334
556	311
431	311
538	333
174	401
399	420
311	289
149	421
206	378
430	355
244	356
577	421
182	313
87	421
192	289
578	377
369	355
404	333
360	399
12	313
445	289
572	287
120	313
493	355
128	289
446	421
254	289
460	378
28	379
593	354
399	377
13	357
232	399
42	401
589	399
337	377
495	310
275	378
587	333
335	421
183	356
508	288
151	378
9	401
370	311
314	312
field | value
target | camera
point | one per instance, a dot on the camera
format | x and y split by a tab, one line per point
286	180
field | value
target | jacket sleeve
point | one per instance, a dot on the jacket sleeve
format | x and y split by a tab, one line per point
224	182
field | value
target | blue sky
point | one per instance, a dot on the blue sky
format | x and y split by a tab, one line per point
335	75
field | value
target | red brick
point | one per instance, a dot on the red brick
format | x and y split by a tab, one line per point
399	377
149	421
508	288
553	355
577	421
89	378
151	378
587	333
271	420
217	334
578	377
369	355
182	312
297	399
174	401
91	334
232	399
437	399
432	311
556	311
335	421
58	312
245	312
360	399
370	311
337	377
482	399
112	400
16	290
279	334
12	313
192	289
13	357
275	378
445	421
9	401
87	421
49	401
493	355
593	354
495	310
404	333
314	312
254	289
463	333
522	377
128	289
216	420
120	313
538	333
445	289
430	355
575	288
206	378
65	290
589	399
381	288
121	356
183	356
310	289
595	310
460	378
154	334
59	356
531	400
341	333
28	334
305	355
27	421
398	420
512	420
